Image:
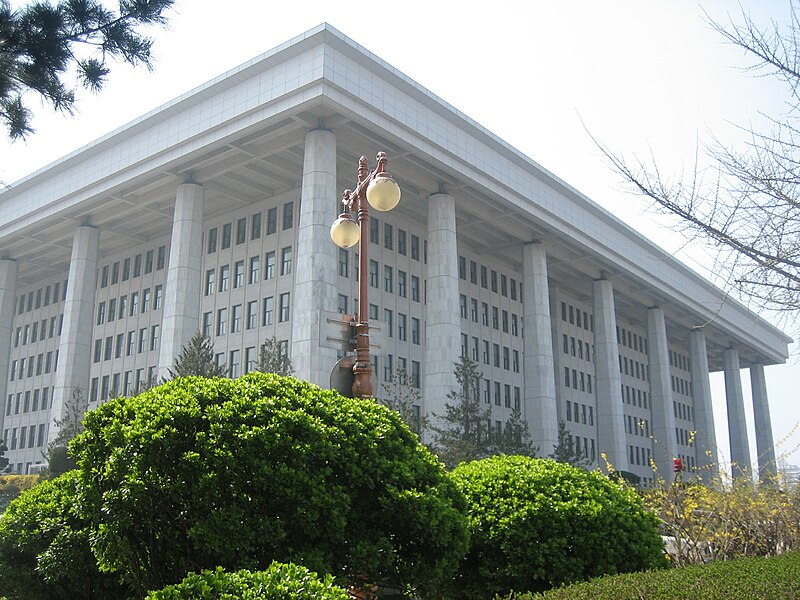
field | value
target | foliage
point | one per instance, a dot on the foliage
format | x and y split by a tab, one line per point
199	473
752	578
536	524
747	203
729	519
68	426
42	43
3	457
273	358
11	486
564	450
462	433
44	547
197	359
278	582
515	438
402	397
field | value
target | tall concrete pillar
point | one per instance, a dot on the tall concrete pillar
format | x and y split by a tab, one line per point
737	425
315	277
767	467
608	382
541	407
8	291
665	446
74	349
181	317
442	321
706	438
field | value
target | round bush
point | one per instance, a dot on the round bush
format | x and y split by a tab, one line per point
44	547
279	582
536	523
199	473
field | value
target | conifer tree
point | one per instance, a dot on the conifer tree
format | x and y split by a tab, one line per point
564	450
273	358
197	358
401	396
69	426
515	437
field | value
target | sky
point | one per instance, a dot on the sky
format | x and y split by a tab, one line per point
643	78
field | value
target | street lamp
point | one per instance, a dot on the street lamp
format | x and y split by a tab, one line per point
382	193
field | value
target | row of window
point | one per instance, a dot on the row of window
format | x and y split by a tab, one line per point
577	380
491	353
580	413
688	461
389	241
402	365
636	426
684	436
501	319
633	368
132	267
115	346
121	384
27	436
632	340
119	308
683	411
575	316
38	331
41	297
634	396
236	278
586	449
222	237
577	347
502	388
44	362
29	401
680	361
231	320
639	456
681	386
489	279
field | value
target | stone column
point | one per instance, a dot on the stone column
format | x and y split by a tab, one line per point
8	291
181	318
737	425
665	446
75	346
442	320
765	447
315	277
608	383
706	438
541	407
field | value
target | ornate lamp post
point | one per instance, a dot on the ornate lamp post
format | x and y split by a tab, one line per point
377	188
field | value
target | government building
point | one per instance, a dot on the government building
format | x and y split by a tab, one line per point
213	213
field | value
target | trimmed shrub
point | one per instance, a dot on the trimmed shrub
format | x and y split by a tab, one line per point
199	473
536	524
756	578
278	582
44	547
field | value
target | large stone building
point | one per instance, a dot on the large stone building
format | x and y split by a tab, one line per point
213	213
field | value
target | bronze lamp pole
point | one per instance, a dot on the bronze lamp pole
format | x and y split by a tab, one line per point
379	190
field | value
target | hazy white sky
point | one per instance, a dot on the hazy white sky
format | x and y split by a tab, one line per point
642	77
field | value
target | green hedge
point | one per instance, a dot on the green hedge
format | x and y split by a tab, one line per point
278	582
757	578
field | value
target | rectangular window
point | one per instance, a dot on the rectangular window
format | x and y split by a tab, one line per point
475	351
212	240
495	318
222	321
161	257
494	280
142	340
286	260
505	321
224	277
255	269
98	352
373	311
126	269
241	231
131	343
401	242
101	316
415	373
496	354
234	363
252	314
288	215
415	330
373	273
137	265
415	288
387	317
267	311
462	303
388	279
344	262
255	226
155	336
414	247
158	297
341	304
236	318
462	268
497	393
374	231
250	357
388	236
226	236
208	324
119	345
401	326
269	265
284	308
148	262
145	300
503	285
114	274
506	358
112	309
272	220
238	274
401	283
473	272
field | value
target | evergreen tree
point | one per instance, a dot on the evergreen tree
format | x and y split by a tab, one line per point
43	42
3	457
564	451
402	397
515	437
197	358
462	433
273	358
68	427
